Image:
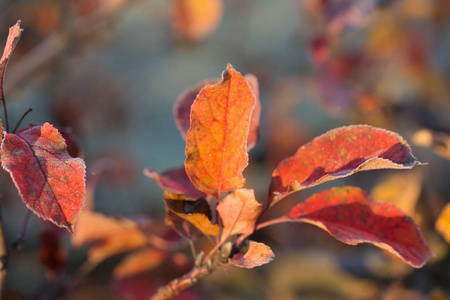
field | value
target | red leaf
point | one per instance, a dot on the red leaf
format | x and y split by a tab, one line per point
349	215
11	42
239	211
176	181
340	153
49	181
182	108
216	143
257	254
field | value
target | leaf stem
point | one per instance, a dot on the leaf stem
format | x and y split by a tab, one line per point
5	110
21	119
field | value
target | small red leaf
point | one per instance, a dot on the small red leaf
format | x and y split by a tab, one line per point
239	212
349	215
182	108
216	143
11	42
257	254
176	181
340	153
49	181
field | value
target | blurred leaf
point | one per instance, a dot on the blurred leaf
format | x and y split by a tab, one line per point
138	262
257	255
438	141
340	153
216	143
176	181
402	190
349	215
443	222
11	43
194	20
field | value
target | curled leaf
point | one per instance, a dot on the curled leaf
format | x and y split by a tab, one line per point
257	254
13	38
216	143
50	182
340	153
350	216
176	181
195	211
239	212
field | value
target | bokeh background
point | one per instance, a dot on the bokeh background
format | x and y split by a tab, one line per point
111	70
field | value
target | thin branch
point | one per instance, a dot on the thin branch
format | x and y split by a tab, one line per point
23	230
21	119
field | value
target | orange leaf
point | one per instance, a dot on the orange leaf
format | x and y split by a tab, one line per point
257	254
340	153
138	262
194	20
443	223
183	104
50	182
195	211
349	215
216	143
114	236
239	212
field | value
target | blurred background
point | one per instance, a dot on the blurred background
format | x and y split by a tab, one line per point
111	70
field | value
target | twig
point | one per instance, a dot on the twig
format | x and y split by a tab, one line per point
23	230
200	270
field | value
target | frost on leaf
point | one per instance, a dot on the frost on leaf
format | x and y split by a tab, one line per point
195	211
339	153
50	182
257	254
239	212
216	143
349	215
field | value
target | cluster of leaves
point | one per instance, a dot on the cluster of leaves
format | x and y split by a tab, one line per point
207	196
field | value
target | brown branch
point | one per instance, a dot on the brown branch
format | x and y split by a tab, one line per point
3	258
200	270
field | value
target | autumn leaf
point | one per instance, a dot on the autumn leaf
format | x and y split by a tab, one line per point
176	181
113	235
11	42
194	20
239	212
350	216
443	223
50	182
138	262
195	211
340	153
183	104
216	143
257	254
